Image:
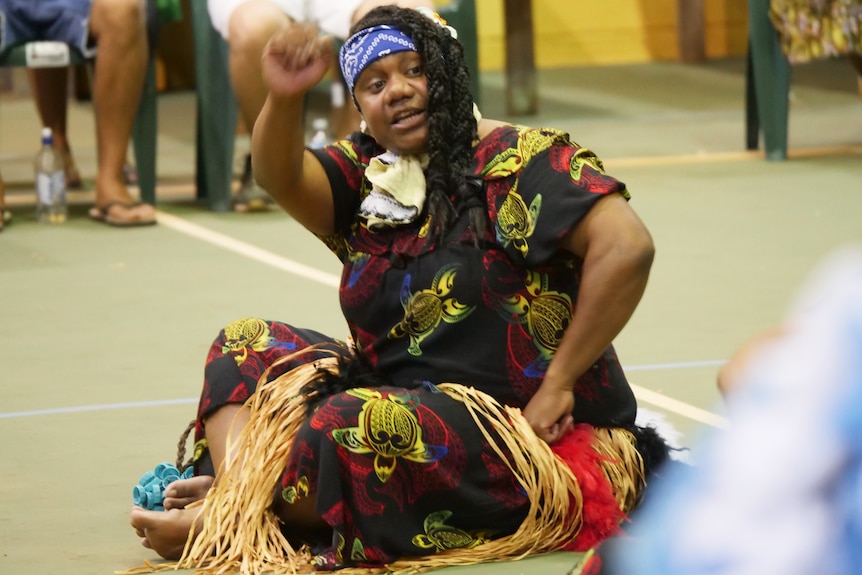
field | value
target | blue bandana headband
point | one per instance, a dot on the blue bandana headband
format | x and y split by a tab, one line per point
369	45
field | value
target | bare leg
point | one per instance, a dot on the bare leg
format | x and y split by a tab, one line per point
250	28
251	25
118	26
49	92
166	532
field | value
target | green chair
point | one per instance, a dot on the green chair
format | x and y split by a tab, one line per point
145	128
461	15
217	105
767	85
217	112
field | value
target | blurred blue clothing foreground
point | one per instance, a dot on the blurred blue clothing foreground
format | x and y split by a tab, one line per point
780	490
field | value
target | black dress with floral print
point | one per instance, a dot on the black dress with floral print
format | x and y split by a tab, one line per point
401	469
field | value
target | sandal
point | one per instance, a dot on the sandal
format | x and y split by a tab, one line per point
251	197
103	214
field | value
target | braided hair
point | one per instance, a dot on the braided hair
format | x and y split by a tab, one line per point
451	124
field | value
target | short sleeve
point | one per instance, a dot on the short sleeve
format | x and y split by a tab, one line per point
344	163
540	189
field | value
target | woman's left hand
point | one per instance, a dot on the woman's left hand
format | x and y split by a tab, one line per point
549	412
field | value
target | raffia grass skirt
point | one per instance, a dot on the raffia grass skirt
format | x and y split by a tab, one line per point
242	534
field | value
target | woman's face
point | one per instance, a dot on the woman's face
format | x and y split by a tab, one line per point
392	94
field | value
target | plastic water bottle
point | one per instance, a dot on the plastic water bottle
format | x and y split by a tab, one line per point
319	131
50	182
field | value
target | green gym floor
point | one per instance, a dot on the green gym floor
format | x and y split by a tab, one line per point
104	331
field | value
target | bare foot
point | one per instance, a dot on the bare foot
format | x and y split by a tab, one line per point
73	177
115	205
183	492
166	532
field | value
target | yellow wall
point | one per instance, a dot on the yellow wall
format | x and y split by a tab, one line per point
579	32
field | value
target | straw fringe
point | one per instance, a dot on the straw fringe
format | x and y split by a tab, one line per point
241	533
622	464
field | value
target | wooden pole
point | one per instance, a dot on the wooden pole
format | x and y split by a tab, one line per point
690	23
521	97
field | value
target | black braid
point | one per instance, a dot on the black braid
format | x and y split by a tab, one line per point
451	124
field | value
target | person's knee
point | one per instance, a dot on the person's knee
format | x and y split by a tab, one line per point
123	16
252	24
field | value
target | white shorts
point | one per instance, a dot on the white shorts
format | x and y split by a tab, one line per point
331	16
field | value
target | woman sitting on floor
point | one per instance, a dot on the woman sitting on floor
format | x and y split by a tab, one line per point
476	253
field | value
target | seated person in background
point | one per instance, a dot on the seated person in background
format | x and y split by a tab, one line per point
811	29
49	88
778	490
247	25
115	31
485	263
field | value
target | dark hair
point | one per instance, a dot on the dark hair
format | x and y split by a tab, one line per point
451	124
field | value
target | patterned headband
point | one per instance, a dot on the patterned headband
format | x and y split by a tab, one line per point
368	46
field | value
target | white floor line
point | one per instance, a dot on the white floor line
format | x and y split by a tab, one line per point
680	365
245	249
678	407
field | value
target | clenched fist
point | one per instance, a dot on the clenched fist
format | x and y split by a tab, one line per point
295	59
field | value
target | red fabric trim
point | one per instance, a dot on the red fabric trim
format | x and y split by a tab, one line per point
601	514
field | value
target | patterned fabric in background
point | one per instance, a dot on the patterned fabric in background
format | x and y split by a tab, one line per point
812	29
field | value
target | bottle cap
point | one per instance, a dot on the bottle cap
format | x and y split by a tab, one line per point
47	135
150	491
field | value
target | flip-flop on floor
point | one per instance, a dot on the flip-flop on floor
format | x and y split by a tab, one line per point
103	214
